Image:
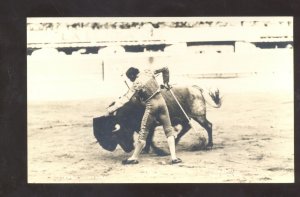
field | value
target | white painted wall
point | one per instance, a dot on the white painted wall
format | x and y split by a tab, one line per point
65	77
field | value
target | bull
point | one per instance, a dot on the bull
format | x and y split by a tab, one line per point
118	129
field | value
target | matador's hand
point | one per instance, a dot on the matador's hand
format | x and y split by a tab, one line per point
167	86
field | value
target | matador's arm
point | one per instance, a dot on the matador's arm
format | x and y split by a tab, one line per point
165	73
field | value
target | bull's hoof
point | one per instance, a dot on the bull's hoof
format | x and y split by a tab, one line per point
145	151
209	146
198	147
161	153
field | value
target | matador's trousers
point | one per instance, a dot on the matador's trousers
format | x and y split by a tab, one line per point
156	109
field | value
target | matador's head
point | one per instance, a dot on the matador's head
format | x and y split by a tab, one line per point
132	73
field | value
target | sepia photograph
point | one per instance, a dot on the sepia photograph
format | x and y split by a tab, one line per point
160	100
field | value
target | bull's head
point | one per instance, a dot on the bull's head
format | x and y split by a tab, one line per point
103	127
119	128
109	133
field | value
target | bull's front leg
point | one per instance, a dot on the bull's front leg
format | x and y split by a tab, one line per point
159	151
149	142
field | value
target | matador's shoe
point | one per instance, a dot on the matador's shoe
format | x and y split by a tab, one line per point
177	160
128	162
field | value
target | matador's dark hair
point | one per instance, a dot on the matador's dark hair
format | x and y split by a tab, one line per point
132	72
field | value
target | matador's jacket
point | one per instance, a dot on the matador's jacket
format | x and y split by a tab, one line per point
147	88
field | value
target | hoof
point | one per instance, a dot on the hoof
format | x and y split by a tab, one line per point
209	146
145	151
161	153
195	148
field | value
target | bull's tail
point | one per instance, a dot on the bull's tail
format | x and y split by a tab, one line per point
211	96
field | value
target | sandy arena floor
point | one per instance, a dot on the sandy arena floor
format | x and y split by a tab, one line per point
253	142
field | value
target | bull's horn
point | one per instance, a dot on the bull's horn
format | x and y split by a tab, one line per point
117	128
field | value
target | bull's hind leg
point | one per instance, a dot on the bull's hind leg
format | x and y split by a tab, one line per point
185	128
207	126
